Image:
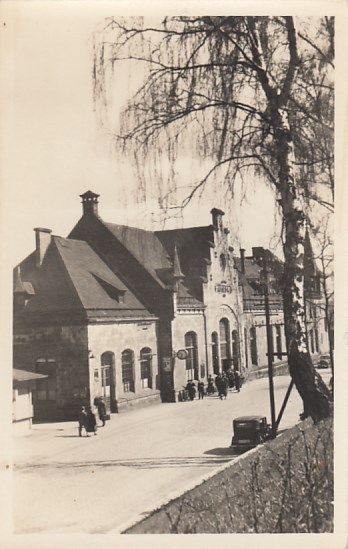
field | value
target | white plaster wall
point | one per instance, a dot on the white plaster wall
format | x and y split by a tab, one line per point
187	322
116	338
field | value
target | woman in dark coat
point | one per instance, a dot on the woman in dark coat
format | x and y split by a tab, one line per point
101	410
91	422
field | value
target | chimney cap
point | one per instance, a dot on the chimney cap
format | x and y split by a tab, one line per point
42	230
216	211
89	195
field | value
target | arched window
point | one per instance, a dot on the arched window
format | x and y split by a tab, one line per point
235	349
225	350
253	345
311	335
215	352
128	371
191	347
246	348
146	367
107	361
316	335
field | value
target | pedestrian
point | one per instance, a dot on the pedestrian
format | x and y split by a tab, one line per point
200	390
101	410
211	388
224	386
91	422
231	379
237	380
218	383
82	420
191	389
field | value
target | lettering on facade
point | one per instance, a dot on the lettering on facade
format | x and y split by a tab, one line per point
223	288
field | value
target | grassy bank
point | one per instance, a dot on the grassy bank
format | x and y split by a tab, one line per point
286	486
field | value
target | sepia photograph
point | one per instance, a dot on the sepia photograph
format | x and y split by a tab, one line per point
171	235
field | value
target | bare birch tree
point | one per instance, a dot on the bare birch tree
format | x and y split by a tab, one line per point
251	94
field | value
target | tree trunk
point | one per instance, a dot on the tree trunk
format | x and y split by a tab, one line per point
314	393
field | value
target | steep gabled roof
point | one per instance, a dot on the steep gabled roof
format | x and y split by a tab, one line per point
146	248
73	277
96	285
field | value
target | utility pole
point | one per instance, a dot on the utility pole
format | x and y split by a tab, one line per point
269	348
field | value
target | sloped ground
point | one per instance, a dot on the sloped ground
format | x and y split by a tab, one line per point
284	486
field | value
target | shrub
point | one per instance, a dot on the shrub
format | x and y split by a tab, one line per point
286	486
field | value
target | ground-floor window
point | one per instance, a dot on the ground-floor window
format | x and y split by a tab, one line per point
128	371
235	349
191	347
224	328
146	368
253	345
246	348
46	389
215	352
316	337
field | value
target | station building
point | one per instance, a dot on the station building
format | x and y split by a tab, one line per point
132	315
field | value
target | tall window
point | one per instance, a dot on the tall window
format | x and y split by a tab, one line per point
46	389
246	348
253	345
107	363
146	368
311	337
192	358
279	341
128	371
316	336
225	350
235	349
215	352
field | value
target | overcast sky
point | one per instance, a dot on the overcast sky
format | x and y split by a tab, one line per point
54	150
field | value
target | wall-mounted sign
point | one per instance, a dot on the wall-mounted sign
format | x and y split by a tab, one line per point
182	354
167	364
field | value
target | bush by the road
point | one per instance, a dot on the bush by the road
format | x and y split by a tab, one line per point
285	486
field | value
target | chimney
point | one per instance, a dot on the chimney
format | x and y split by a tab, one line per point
90	203
43	239
217	218
242	260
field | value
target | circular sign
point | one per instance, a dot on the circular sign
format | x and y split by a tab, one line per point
182	354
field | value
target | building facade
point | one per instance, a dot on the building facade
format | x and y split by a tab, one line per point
132	315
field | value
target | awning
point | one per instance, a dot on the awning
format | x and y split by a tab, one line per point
24	375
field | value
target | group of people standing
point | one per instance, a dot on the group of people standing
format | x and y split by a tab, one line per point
227	380
87	417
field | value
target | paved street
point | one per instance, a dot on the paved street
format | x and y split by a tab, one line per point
64	483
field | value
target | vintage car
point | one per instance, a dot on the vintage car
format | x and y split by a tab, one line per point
323	362
249	431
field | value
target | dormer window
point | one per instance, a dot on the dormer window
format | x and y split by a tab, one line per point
115	293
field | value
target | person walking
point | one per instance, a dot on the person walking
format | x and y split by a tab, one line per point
191	389
224	385
200	390
91	422
101	410
237	380
211	389
82	418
